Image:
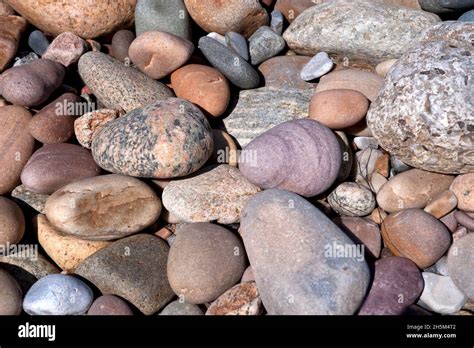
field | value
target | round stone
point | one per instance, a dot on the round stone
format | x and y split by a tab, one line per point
210	90
338	108
121	42
308	166
428	122
264	44
38	42
109	305
58	294
179	307
463	188
461	264
352	199
158	54
10	295
416	235
205	260
12	222
166	139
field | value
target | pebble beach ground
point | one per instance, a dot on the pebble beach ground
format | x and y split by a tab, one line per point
238	157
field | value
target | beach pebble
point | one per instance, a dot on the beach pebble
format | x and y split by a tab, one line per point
461	264
205	260
35	200
121	42
352	199
10	295
264	44
383	68
362	231
463	188
109	305
242	299
87	126
105	207
285	72
464	219
318	66
441	204
38	42
291	9
66	49
180	307
277	21
363	143
12	222
58	294
238	44
467	16
11	30
441	295
309	166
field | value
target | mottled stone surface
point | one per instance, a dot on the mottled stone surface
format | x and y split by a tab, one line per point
289	243
242	299
352	199
285	72
205	260
66	49
362	231
16	145
428	122
301	156
230	15
232	65
441	295
78	17
463	188
360	31
133	268
10	295
166	139
11	28
216	195
58	294
86	126
35	200
264	44
109	305
416	235
397	285
181	308
258	110
163	15
118	86
461	264
105	207
12	222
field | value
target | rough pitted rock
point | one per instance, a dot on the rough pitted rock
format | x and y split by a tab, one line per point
428	121
359	30
242	299
289	243
258	110
217	195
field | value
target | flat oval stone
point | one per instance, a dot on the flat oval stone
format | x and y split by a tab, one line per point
383	31
65	250
284	72
302	275
158	53
133	268
12	221
16	145
352	199
445	6
169	16
205	260
210	90
55	122
10	295
12	27
121	42
397	285
231	15
166	139
338	108
362	231
229	63
216	195
118	86
109	305
463	188
416	235
103	208
242	299
31	84
181	308
58	294
441	295
428	123
318	66
461	264
38	42
56	165
411	189
301	156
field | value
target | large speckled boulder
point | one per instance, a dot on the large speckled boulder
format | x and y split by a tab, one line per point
294	251
428	121
166	139
359	30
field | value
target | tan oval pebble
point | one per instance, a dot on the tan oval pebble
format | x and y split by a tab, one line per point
10	295
86	126
463	188
377	180
441	204
12	222
416	235
242	299
16	145
378	215
158	54
411	189
338	108
383	67
225	150
103	208
210	89
66	251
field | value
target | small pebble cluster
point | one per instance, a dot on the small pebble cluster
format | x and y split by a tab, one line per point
199	157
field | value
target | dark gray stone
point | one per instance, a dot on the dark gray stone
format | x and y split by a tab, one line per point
444	6
265	44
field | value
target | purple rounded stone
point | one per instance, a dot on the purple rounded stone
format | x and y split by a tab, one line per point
301	156
110	305
397	285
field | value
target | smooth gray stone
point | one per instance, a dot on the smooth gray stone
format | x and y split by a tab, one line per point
265	44
277	21
467	16
318	66
233	66
163	15
38	42
444	6
258	110
181	308
58	294
218	37
441	295
238	44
